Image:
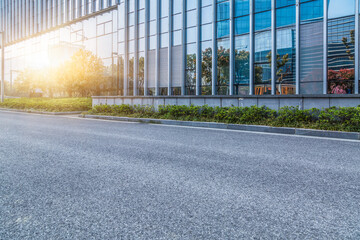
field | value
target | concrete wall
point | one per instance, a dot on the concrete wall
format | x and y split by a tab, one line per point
273	102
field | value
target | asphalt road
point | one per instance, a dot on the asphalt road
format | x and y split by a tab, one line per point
69	178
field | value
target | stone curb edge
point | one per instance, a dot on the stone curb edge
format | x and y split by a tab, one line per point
252	128
40	112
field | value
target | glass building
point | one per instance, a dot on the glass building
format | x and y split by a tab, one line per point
193	47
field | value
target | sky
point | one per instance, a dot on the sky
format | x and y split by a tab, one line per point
339	8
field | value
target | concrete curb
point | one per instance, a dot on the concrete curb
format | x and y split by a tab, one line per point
252	128
40	112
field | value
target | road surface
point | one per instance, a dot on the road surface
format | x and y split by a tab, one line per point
72	178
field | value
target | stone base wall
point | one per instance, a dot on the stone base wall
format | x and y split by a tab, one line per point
273	102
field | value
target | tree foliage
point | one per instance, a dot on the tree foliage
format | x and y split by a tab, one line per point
83	75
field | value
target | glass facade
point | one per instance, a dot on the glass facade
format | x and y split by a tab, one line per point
192	47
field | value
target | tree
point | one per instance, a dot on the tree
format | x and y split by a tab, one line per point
83	74
280	63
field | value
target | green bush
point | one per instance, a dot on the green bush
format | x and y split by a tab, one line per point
340	119
48	104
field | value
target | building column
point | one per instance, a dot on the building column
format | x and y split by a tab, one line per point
16	17
297	47
50	15
273	47
146	55
170	48
252	49
356	47
136	52
325	47
126	56
214	51
198	48
28	18
60	10
183	42
157	58
44	19
232	48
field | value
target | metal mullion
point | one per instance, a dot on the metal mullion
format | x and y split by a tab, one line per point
356	47
214	51
325	46
252	48
146	69
273	47
297	46
170	48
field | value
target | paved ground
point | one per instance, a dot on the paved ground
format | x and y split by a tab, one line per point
67	178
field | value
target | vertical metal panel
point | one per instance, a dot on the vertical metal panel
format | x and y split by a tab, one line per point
16	15
177	66
151	67
27	22
232	48
325	47
136	53
357	47
12	21
66	13
297	47
36	19
79	9
214	51
198	48
157	63
60	9
73	9
273	47
183	42
49	13
44	19
2	15
31	17
126	58
252	48
24	17
2	35
19	18
146	69
163	76
169	77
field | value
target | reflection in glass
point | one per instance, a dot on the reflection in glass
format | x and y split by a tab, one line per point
262	20
262	63
223	67
241	8
190	82
121	76
340	8
206	68
341	42
285	61
241	81
141	74
311	10
130	79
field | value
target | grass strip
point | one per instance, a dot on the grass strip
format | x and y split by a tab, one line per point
48	104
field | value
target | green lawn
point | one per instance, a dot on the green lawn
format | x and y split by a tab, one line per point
48	104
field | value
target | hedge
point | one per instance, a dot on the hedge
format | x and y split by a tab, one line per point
337	119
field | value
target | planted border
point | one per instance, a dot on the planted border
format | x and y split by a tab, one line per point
335	119
49	104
